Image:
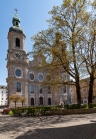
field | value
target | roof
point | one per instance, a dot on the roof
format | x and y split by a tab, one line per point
3	87
16	29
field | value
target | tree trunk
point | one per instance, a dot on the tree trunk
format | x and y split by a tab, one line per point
76	71
90	93
78	92
22	104
15	105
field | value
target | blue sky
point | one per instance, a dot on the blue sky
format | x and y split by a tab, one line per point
33	15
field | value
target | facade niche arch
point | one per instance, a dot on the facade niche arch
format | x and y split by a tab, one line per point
17	41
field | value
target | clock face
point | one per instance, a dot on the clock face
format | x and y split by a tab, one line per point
18	55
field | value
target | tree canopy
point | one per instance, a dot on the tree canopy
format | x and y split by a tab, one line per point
69	43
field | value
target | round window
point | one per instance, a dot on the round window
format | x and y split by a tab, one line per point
40	77
31	76
18	72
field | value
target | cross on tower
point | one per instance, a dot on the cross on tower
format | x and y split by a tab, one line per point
16	10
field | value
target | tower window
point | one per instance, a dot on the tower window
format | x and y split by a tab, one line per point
16	23
18	87
17	42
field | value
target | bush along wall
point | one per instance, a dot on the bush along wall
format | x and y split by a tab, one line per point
50	110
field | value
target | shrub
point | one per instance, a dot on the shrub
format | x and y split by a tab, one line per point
60	106
66	106
15	111
94	104
11	113
91	105
75	106
31	111
84	106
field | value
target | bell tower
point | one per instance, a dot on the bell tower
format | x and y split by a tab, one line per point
17	62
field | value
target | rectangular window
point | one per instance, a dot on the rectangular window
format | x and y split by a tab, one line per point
31	89
2	91
18	87
40	90
2	98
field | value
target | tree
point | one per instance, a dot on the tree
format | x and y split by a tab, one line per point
22	100
69	20
89	51
14	98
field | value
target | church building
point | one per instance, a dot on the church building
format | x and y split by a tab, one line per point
23	79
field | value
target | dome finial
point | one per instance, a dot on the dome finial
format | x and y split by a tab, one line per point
16	11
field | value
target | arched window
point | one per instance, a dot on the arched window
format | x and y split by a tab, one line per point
17	42
40	77
41	100
31	76
16	23
31	89
18	87
32	101
49	101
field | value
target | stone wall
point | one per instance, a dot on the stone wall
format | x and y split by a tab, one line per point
72	111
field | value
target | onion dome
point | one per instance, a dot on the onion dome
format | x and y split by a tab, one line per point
16	25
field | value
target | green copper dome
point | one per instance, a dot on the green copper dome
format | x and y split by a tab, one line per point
16	21
16	25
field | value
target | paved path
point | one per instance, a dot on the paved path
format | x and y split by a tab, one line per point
48	127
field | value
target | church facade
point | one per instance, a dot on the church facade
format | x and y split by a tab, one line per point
23	79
